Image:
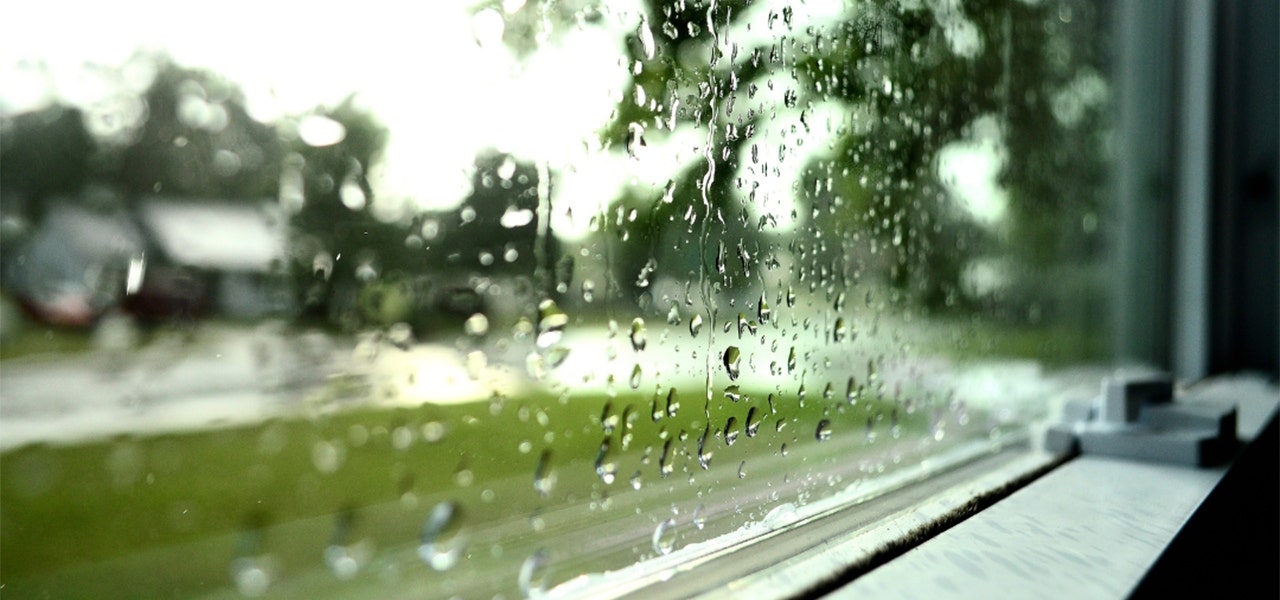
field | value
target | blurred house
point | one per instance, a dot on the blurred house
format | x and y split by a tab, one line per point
169	258
75	265
212	257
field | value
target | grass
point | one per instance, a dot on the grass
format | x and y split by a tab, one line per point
167	515
32	341
68	508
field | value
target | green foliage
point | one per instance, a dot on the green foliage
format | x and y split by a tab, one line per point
43	155
199	142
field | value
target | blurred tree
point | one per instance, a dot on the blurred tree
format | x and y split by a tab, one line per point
338	245
199	142
913	78
43	154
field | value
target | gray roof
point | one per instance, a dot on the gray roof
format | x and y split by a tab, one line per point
221	235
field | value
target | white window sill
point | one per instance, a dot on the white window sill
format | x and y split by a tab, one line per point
1091	528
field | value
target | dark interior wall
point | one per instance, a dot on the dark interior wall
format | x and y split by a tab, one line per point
1245	324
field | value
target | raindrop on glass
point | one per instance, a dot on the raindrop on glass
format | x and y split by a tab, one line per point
638	341
730	431
534	572
695	325
704	453
823	432
477	325
635	377
664	537
732	357
753	421
544	480
606	467
673	403
551	323
433	547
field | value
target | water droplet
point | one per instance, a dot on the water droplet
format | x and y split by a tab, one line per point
635	139
534	572
791	297
646	38
342	561
704	453
327	456
673	315
763	311
753	421
487	27
544	479
695	325
852	391
720	266
606	467
839	303
733	393
699	518
588	290
440	546
476	362
608	420
791	360
670	30
673	403
400	335
665	466
477	324
252	576
838	331
536	365
635	377
664	537
638	341
551	323
730	431
556	356
642	280
823	433
732	356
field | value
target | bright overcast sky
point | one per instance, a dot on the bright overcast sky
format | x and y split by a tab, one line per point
435	73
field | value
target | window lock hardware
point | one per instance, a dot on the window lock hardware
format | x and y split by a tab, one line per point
1136	417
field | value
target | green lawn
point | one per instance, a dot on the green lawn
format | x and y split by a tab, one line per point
166	515
170	515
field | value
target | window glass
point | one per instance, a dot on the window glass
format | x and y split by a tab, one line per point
481	298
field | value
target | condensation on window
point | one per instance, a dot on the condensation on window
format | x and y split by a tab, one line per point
492	298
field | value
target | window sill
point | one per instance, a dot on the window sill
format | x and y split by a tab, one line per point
1089	527
1093	527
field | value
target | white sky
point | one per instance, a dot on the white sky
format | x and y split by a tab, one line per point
436	75
421	67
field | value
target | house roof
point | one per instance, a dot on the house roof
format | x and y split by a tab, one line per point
221	235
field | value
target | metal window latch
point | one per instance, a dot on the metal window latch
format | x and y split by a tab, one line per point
1136	417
